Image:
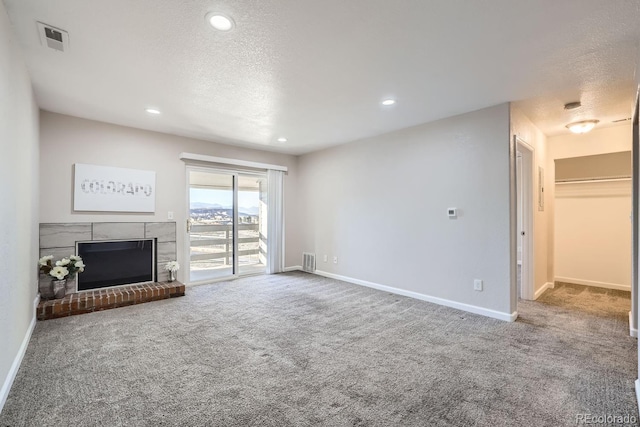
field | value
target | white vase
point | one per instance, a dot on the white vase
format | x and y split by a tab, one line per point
59	288
46	288
71	284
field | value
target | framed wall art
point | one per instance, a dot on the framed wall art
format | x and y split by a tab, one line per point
110	189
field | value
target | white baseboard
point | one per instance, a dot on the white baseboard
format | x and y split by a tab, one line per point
638	393
13	371
606	285
292	268
632	331
440	301
544	287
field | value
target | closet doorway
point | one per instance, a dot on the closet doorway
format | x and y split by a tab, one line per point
593	229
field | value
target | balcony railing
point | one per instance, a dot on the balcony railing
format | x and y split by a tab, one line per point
215	242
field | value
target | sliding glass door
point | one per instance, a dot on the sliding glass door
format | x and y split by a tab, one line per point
226	224
252	223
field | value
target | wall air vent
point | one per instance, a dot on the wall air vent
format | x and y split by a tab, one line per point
308	262
53	37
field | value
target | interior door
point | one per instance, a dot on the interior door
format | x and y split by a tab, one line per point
524	206
519	206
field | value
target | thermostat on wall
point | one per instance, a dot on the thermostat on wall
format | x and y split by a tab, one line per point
452	212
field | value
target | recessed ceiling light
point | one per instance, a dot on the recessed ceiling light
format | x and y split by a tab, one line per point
583	126
388	102
152	111
282	139
219	21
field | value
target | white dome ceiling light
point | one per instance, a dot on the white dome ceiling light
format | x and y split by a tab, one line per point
220	21
388	102
282	139
572	105
583	126
152	111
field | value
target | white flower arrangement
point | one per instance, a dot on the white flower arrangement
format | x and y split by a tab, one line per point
64	268
172	266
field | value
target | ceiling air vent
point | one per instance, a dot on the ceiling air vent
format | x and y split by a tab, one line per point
621	120
53	37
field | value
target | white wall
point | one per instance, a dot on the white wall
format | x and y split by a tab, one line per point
66	140
611	139
599	141
522	127
380	206
18	206
593	234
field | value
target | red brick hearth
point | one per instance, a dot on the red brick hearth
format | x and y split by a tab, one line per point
105	299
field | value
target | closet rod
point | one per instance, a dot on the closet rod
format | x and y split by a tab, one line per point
586	181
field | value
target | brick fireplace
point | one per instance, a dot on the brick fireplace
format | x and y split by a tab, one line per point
105	299
59	240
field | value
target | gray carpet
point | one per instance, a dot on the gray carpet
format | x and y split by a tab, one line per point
300	350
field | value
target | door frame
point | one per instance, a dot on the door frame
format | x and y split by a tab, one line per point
527	287
635	197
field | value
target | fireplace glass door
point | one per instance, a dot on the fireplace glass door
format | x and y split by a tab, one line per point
226	224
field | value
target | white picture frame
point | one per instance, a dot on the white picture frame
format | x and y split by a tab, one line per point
111	189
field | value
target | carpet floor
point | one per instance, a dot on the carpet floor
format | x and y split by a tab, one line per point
301	350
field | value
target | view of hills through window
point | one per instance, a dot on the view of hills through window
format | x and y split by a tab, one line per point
216	206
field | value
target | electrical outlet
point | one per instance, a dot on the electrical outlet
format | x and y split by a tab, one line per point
325	258
477	285
170	215
335	259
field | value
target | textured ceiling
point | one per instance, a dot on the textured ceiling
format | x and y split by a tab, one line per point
316	71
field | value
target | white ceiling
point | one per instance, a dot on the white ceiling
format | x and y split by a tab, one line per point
316	71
